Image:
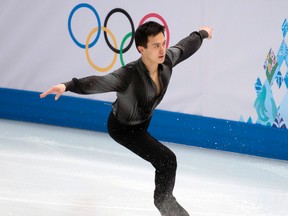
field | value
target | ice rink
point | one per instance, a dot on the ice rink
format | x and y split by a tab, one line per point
55	171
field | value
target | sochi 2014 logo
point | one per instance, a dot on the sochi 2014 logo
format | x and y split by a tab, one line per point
115	48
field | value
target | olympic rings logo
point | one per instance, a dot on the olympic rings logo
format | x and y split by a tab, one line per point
97	30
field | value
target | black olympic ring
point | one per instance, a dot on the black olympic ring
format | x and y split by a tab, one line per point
120	10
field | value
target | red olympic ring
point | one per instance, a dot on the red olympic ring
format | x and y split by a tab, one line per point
155	15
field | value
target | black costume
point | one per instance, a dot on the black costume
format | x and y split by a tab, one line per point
132	111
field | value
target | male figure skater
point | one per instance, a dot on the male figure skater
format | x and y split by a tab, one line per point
140	86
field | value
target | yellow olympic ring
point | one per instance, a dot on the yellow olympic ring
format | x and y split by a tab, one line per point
94	30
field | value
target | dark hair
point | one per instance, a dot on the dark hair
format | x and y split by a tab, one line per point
145	30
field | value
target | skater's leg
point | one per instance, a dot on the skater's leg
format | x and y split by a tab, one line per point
139	141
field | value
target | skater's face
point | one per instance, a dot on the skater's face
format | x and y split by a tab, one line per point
155	50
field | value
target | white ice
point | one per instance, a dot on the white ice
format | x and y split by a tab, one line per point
55	171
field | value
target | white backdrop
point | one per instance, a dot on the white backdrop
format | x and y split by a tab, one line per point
37	50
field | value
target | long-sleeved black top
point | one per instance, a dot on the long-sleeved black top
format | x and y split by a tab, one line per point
136	91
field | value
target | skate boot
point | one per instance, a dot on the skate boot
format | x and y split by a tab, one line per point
170	207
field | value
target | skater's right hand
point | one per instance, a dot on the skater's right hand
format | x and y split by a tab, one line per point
57	89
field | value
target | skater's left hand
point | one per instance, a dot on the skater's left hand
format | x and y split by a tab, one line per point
208	29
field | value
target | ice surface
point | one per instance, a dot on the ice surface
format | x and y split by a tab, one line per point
55	171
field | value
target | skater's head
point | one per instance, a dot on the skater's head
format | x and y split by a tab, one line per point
146	30
150	42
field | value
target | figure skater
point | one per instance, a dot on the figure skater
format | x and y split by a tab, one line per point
140	86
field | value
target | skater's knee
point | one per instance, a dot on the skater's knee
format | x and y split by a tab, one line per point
172	161
167	162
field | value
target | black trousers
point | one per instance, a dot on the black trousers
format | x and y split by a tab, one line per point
137	139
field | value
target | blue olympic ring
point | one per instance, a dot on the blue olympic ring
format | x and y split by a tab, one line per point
70	29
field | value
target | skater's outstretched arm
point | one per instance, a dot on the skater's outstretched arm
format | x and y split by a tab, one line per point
57	89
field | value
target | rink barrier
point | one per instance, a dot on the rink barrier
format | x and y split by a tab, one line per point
212	133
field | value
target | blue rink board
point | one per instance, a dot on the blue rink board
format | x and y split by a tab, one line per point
219	134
